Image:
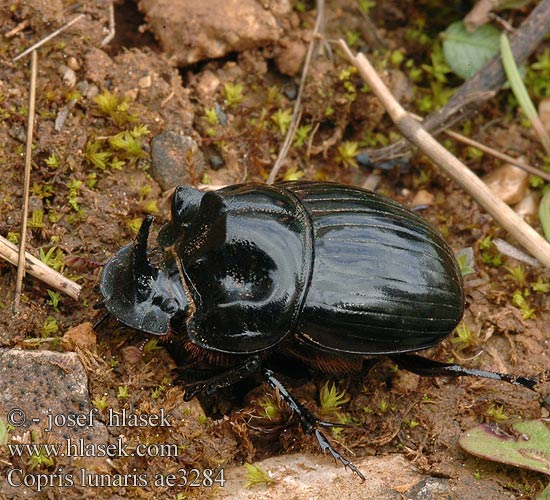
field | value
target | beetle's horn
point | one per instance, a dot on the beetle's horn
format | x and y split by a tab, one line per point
140	246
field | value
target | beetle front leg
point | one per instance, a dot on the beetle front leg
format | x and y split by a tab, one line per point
309	421
225	379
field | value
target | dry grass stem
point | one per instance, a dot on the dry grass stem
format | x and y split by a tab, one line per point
526	236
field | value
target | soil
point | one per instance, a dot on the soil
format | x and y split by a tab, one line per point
85	206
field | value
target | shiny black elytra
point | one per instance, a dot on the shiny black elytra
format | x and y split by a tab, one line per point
321	272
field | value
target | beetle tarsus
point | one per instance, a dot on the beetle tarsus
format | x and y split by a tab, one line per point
310	422
326	446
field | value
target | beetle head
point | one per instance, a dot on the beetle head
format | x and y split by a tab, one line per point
139	294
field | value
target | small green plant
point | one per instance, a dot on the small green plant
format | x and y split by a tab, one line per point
538	75
40	460
42	191
366	5
151	345
270	408
55	297
541	285
293	173
282	118
74	186
53	258
233	93
489	252
463	337
128	145
211	116
134	224
519	301
383	406
123	392
352	37
117	109
157	392
411	423
346	153
496	413
100	402
13	237
37	219
50	327
256	475
331	399
94	154
52	161
518	274
302	133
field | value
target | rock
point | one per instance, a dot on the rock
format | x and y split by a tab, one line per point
304	477
99	66
529	206
68	75
207	85
145	82
81	336
508	182
73	63
423	197
191	31
36	382
175	159
290	57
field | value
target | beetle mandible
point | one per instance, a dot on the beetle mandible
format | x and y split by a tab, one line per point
321	272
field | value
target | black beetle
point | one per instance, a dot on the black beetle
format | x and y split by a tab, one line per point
321	272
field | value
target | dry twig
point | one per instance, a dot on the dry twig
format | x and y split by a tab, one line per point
493	152
298	103
481	86
26	183
49	37
532	241
38	269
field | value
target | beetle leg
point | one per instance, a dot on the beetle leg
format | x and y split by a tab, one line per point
309	421
225	379
430	368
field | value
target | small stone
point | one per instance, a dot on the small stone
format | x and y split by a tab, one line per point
529	206
423	197
207	84
69	77
291	56
73	63
191	31
79	336
145	82
92	91
508	182
216	161
175	159
544	113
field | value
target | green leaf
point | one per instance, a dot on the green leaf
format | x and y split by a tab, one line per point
528	446
544	214
466	52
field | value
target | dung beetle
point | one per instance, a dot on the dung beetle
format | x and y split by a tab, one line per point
323	273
